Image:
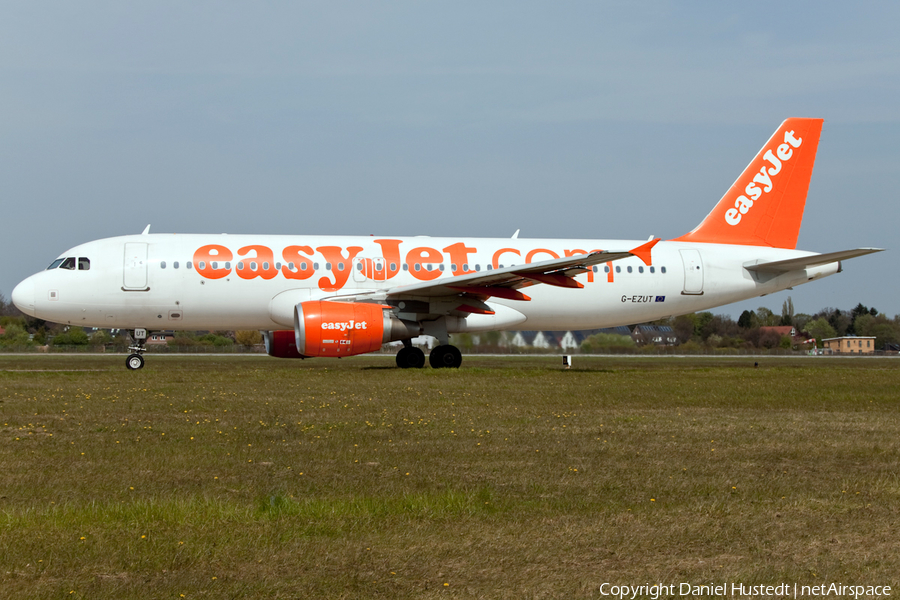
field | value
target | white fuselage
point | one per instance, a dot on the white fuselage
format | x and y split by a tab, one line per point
167	281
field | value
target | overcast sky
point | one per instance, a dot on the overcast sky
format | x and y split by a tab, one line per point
564	119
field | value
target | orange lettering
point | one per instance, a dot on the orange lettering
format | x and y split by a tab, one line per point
205	256
418	258
340	266
530	255
302	262
264	261
501	252
459	256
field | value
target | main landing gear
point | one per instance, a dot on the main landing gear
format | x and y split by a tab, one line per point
410	357
445	357
442	357
135	361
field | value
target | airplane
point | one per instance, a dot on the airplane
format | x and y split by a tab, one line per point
336	296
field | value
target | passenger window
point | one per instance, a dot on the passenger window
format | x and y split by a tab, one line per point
441	267
328	266
55	263
594	268
359	266
640	269
453	266
418	267
606	268
340	266
228	265
405	267
477	267
662	269
315	266
84	264
68	264
266	266
393	266
188	264
618	269
629	269
652	270
175	265
162	264
465	266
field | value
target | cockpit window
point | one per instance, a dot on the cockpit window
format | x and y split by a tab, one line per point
68	263
84	263
55	263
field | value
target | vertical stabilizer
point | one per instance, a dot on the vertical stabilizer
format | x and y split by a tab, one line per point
764	207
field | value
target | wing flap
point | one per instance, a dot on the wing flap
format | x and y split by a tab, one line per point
556	271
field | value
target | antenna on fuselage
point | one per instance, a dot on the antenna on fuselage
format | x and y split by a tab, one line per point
515	236
146	230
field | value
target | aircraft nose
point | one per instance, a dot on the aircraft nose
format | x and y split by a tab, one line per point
23	297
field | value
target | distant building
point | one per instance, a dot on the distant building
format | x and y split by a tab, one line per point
160	338
850	344
797	337
660	335
524	339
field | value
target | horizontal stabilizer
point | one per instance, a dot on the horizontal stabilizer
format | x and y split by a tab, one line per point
813	260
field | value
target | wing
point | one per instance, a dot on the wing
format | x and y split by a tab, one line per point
814	260
466	293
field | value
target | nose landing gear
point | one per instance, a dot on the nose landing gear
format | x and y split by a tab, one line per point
135	361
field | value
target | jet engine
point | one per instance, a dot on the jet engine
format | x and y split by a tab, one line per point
324	328
281	344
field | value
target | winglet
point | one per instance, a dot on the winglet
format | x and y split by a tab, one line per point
643	251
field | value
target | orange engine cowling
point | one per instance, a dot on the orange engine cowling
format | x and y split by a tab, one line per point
323	328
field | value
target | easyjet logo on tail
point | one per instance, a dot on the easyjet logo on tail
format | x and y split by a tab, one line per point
782	154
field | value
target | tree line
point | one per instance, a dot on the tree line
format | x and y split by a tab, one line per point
696	331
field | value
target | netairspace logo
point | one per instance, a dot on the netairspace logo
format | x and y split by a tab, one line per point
740	590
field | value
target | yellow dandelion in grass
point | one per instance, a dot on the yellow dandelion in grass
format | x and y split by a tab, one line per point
652	499
446	585
82	537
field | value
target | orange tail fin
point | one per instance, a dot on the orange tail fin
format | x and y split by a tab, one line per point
764	207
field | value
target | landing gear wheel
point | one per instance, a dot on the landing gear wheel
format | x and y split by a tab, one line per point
445	357
410	358
134	362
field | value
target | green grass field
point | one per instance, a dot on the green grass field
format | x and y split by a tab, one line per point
252	477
